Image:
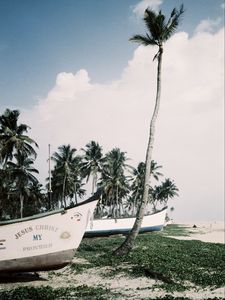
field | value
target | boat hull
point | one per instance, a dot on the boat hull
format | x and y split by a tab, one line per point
43	242
44	262
107	227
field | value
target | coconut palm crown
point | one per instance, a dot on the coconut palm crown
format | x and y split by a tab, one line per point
159	30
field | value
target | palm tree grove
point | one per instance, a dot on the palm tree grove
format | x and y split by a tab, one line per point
74	174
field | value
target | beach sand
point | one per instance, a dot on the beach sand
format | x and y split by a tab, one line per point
211	232
128	287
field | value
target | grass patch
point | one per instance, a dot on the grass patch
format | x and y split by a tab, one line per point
80	268
171	261
170	297
48	293
175	230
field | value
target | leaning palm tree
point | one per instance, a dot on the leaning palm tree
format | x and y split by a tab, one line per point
159	31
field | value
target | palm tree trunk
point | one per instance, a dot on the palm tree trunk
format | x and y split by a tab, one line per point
63	191
128	244
154	205
94	183
117	201
135	202
121	210
75	192
21	205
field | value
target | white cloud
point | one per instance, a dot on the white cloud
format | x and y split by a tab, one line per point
68	85
189	132
208	25
223	5
139	8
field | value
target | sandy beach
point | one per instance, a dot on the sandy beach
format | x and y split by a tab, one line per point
129	287
211	232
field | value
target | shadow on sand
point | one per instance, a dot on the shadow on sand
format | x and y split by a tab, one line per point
20	277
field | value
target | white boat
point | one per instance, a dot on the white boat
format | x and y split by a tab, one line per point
44	241
109	226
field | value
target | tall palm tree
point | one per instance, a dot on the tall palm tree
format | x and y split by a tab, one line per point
21	174
137	185
114	181
92	162
12	137
155	170
5	186
37	201
163	192
159	31
168	190
64	175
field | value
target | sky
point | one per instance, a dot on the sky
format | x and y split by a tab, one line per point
70	69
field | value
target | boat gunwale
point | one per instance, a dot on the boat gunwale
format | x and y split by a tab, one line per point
53	212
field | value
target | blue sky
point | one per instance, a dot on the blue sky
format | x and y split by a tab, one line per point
70	69
39	39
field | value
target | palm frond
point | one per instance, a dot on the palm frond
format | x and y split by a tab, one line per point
150	19
173	22
141	39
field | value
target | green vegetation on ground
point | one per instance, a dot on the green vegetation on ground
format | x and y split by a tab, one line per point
172	261
176	230
48	293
